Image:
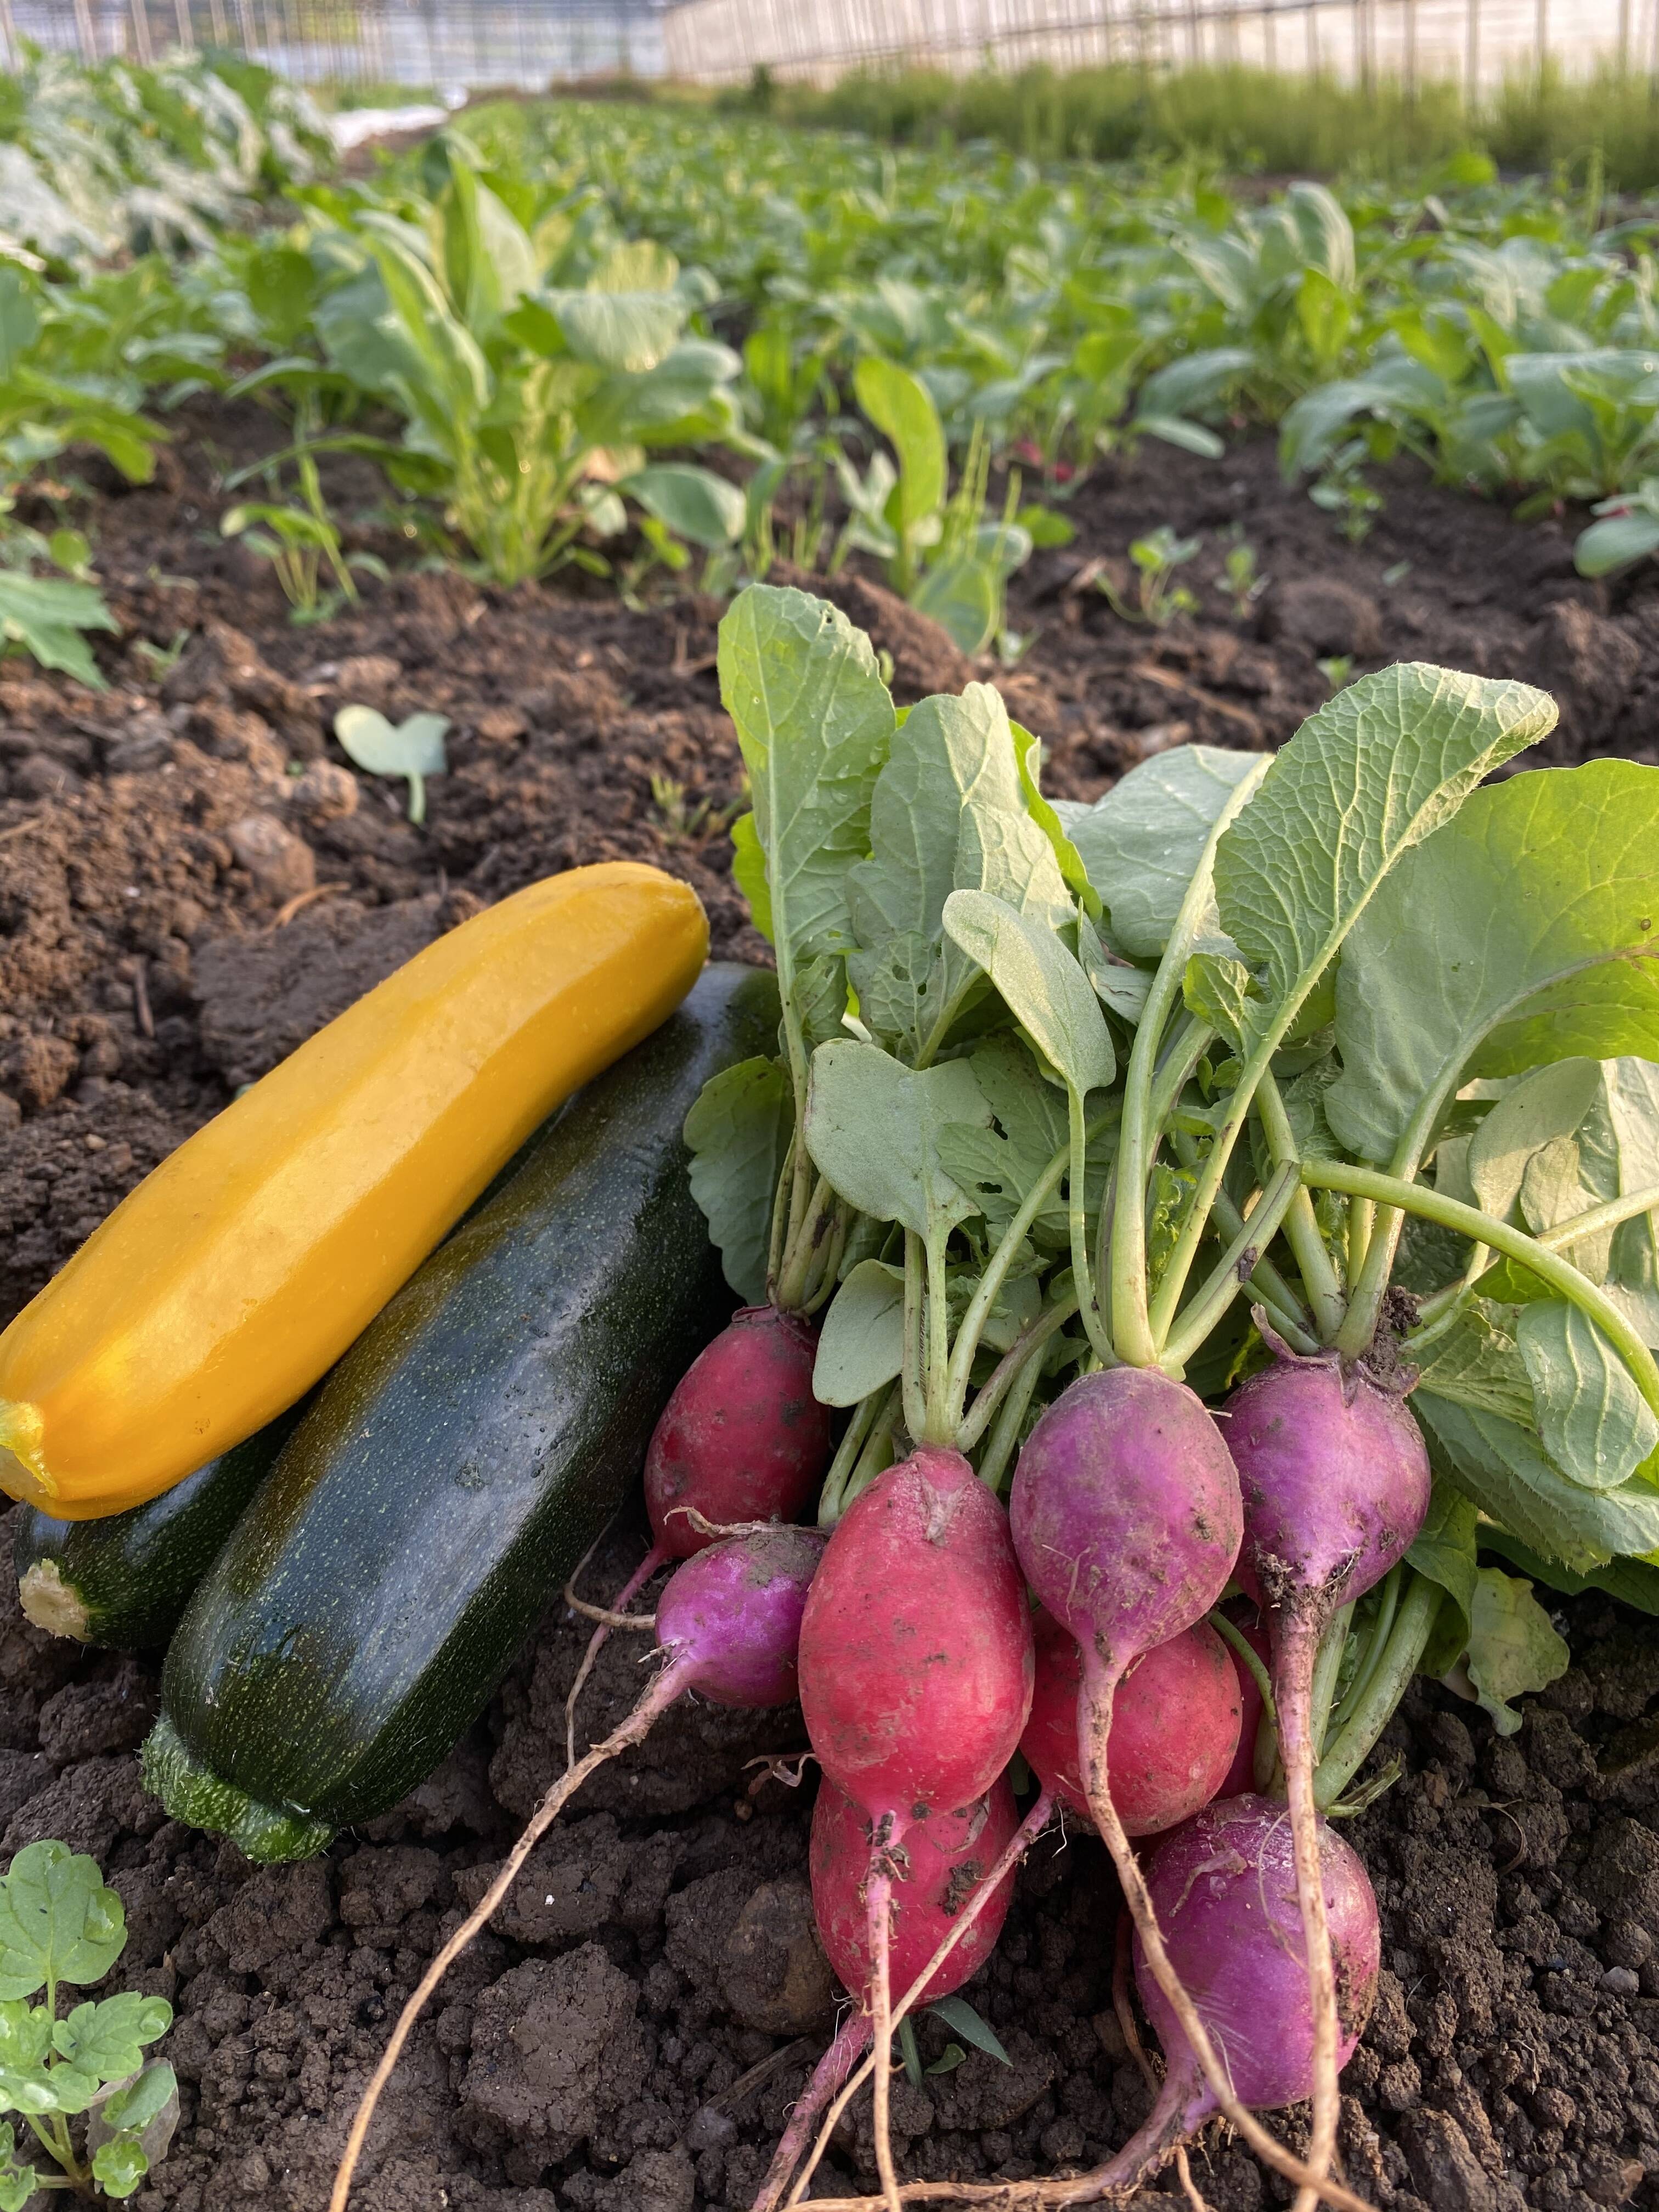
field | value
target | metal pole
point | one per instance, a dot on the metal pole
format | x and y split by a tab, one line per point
1471	61
1624	36
8	32
85	33
1411	50
181	17
1543	34
217	22
1313	40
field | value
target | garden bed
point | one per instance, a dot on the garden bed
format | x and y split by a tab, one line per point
192	881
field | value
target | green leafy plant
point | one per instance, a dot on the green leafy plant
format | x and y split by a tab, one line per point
531	389
1159	597
1625	530
941	552
413	747
61	1928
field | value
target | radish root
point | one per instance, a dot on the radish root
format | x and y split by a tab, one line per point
831	2071
1298	1650
657	1697
616	1617
1017	1844
1130	2034
878	1903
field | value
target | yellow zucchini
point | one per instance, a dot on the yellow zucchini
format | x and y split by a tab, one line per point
232	1278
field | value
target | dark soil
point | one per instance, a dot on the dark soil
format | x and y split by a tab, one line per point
193	879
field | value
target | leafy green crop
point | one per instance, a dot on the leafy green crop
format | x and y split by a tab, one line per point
60	1927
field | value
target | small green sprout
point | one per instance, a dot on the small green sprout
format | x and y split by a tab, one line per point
60	1926
414	748
1159	597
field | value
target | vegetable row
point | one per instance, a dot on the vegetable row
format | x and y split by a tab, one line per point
517	320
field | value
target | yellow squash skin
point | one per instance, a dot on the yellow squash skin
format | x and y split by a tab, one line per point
237	1272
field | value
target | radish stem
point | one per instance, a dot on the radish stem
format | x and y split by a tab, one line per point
1369	1713
1233	1635
1213	1298
1400	1197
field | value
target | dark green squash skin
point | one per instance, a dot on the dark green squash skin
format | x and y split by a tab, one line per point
457	1463
122	1583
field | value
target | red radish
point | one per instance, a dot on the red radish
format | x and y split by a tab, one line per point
915	1677
1336	1482
729	1626
950	1853
1241	1775
950	1856
962	1885
742	1439
1175	1726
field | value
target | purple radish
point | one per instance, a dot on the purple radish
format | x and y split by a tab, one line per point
1336	1480
916	1664
1127	1518
742	1439
1223	1885
729	1626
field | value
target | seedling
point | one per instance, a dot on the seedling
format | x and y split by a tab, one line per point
298	546
1343	491
61	1928
683	819
1159	597
1245	582
414	748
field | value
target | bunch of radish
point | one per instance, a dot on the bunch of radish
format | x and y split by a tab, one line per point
1046	1188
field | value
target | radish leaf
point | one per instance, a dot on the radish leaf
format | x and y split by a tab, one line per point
1594	1422
861	1345
1142	843
872	1128
1040	984
1504	1469
1512	1647
815	721
1525	932
1377	770
737	1134
1566	1139
948	814
1444	1550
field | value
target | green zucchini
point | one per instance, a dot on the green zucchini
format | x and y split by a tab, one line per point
457	1464
121	1583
